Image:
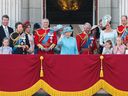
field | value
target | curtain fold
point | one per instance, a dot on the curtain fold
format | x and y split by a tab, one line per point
63	75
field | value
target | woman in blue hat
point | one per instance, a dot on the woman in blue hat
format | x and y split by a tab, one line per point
58	29
67	43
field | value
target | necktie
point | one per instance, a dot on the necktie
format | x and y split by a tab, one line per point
6	32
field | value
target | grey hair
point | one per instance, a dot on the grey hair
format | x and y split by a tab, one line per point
45	19
87	24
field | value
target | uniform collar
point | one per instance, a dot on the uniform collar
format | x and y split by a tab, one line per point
45	28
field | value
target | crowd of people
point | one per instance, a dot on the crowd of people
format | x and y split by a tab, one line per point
97	39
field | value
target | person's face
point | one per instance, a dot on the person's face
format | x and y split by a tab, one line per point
93	31
5	21
45	23
118	41
124	21
87	28
107	45
68	34
5	42
59	32
108	25
20	28
28	29
100	24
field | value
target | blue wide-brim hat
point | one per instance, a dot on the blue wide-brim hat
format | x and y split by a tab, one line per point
58	27
67	29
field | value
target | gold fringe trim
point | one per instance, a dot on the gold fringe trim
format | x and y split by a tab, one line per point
88	92
27	92
111	90
101	84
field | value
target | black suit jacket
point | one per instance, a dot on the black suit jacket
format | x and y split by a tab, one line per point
2	33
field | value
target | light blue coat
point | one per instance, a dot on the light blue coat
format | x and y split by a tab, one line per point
68	46
104	36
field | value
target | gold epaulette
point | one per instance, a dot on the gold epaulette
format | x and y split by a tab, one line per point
38	29
84	37
40	35
13	38
120	31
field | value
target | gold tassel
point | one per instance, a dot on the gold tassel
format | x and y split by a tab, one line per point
101	68
41	73
101	73
41	69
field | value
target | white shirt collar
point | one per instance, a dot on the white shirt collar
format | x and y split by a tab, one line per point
5	26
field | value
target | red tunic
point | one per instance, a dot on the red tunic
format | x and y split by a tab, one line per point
81	40
121	29
39	37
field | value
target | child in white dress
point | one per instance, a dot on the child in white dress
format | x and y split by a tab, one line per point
5	49
108	47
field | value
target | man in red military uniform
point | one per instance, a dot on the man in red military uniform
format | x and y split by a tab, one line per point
123	28
45	38
83	41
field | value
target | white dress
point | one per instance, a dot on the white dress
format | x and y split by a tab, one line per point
31	42
5	50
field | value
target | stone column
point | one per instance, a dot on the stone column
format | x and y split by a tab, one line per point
123	7
115	13
35	11
104	8
24	10
12	8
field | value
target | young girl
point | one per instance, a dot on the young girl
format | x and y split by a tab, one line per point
120	47
108	47
5	49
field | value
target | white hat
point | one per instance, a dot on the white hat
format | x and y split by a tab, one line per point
94	27
105	19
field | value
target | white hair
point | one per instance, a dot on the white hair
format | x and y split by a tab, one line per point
88	25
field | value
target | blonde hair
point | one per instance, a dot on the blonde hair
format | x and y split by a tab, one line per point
120	39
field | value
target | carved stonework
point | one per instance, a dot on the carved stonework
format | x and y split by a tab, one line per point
70	5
